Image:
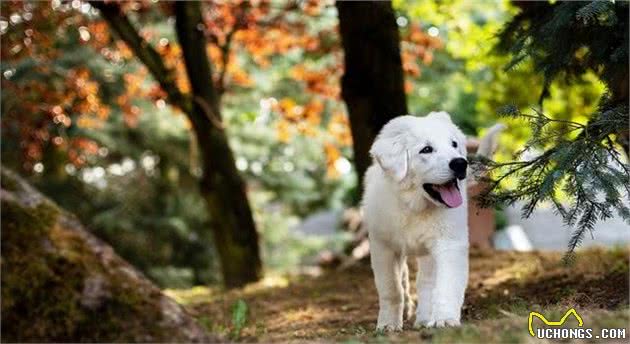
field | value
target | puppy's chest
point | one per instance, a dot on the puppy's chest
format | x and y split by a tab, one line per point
417	235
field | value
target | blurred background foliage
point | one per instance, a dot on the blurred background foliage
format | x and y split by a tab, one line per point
88	125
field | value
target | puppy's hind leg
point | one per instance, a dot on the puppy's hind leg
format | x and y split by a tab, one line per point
408	302
386	265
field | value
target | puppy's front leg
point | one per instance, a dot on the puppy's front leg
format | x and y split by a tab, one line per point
451	278
387	276
425	284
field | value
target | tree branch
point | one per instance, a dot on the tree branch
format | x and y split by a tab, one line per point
189	29
240	24
119	22
225	59
225	48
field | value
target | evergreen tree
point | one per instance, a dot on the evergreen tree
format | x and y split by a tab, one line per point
583	161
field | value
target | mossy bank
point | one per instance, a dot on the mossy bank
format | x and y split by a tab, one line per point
60	283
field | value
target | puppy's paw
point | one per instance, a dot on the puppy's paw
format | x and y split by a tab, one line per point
440	323
389	327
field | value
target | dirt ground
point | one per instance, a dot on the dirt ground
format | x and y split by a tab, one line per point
504	287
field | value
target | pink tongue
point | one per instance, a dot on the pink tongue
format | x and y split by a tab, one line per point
450	195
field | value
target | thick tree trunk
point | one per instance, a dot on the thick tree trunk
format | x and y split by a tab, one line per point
61	284
221	185
373	82
223	189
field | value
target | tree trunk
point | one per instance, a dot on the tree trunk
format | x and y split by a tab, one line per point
373	82
618	87
62	284
222	188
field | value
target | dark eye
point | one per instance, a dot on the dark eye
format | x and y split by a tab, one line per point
427	149
454	144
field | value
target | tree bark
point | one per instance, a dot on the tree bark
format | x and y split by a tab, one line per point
618	87
222	187
373	82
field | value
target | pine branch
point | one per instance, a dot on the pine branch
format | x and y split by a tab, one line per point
587	168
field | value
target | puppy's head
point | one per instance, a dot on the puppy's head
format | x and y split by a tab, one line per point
427	153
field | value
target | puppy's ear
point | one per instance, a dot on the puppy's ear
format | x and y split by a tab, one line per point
443	115
392	156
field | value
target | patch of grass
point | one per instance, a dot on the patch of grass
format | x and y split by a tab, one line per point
205	322
464	334
607	319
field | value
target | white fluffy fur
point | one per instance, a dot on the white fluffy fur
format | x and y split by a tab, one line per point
404	221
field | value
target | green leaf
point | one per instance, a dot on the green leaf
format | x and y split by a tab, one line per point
239	317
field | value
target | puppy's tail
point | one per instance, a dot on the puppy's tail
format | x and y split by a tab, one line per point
488	143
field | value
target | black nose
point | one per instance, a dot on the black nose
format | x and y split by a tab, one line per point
458	165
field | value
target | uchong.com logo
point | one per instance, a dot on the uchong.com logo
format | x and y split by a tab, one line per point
554	331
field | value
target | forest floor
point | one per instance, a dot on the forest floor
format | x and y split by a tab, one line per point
504	287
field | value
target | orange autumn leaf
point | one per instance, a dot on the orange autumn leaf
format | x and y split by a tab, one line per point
283	131
339	128
408	86
332	154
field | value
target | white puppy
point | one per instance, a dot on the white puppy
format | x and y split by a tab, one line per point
415	204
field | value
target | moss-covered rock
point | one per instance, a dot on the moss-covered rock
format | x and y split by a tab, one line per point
60	283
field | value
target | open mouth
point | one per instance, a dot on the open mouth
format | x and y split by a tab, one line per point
447	193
